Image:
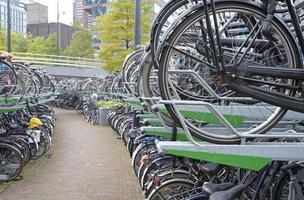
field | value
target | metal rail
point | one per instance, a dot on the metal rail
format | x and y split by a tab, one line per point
56	61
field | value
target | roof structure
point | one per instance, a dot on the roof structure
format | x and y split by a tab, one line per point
75	72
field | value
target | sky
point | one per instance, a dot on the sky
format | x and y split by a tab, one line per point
65	8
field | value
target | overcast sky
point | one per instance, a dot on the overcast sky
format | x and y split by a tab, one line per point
65	7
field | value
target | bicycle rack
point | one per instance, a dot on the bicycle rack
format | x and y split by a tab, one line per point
158	113
165	132
20	103
248	114
133	101
216	111
258	154
249	154
199	113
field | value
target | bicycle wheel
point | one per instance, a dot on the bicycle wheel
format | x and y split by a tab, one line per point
11	162
167	174
187	42
164	162
148	85
114	119
129	66
26	149
79	108
25	73
146	161
43	145
94	116
118	124
125	132
170	188
9	84
139	152
281	189
165	18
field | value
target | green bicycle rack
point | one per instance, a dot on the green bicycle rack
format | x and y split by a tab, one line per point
247	155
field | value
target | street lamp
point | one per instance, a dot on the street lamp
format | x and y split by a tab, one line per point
9	26
137	23
58	32
58	28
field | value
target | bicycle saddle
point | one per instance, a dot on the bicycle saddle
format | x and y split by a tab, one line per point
230	194
210	188
210	168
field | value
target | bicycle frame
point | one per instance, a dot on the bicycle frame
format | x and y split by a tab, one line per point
240	86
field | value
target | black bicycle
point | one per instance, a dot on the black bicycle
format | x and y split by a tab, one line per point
240	49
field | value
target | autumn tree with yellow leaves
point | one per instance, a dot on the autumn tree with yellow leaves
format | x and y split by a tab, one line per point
117	31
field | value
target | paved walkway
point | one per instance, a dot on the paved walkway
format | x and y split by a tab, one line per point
86	162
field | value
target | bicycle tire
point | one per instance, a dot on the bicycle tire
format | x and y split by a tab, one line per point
253	8
283	181
157	194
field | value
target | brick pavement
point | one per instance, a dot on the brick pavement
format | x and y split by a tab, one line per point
85	163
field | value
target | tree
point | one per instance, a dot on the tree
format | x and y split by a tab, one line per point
51	42
20	43
2	40
117	31
38	46
29	44
81	44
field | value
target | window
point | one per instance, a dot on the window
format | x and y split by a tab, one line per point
3	9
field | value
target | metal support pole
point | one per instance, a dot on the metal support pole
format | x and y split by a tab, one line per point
9	26
137	23
58	31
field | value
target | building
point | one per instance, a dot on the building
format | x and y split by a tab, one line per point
75	73
79	15
86	11
45	29
18	16
95	8
36	13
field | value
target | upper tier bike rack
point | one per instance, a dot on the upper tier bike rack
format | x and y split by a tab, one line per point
22	102
250	154
257	153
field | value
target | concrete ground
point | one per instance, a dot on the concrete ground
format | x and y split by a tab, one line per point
86	162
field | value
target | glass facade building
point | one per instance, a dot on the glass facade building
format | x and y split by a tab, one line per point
18	16
95	8
94	2
79	15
